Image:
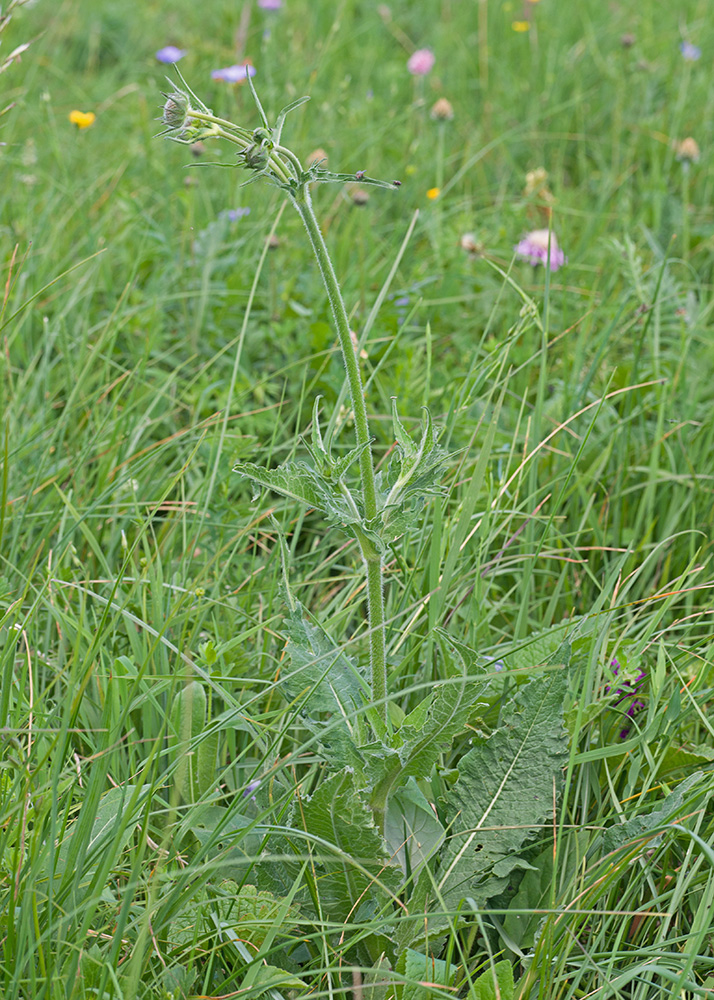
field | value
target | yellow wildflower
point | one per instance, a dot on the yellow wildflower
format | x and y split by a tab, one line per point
433	193
82	119
520	25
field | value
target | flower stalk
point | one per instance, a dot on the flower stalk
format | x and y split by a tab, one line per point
188	120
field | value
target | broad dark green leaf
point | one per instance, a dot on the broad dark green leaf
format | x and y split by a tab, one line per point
505	794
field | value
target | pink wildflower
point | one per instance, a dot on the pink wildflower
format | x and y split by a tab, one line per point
534	248
421	62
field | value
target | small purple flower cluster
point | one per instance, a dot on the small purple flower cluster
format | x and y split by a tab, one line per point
627	691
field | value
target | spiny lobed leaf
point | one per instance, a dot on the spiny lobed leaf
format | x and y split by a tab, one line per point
321	675
425	733
357	867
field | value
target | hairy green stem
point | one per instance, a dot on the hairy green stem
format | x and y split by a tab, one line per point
372	557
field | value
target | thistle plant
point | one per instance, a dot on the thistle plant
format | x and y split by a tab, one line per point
375	513
385	794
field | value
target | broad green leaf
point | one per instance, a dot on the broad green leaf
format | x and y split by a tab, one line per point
412	829
352	861
423	975
320	676
114	810
294	480
494	984
505	793
301	482
252	913
270	976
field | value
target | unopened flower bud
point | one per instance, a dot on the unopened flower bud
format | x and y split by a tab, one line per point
255	157
442	110
175	113
359	196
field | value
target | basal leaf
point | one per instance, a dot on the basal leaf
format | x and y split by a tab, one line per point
534	892
352	860
504	793
494	984
425	733
423	975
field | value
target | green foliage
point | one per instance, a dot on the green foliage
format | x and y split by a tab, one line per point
423	976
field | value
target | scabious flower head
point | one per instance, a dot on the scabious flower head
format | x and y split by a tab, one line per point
690	52
442	110
251	787
234	74
534	248
170	54
421	62
82	119
688	150
627	691
270	4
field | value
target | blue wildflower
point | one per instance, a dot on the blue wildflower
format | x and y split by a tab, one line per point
690	52
170	54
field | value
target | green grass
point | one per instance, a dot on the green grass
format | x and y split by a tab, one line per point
147	343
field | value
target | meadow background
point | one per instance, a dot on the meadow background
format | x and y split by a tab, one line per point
152	335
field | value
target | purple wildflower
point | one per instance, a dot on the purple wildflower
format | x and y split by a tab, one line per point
421	62
233	74
250	788
627	691
270	4
690	52
534	248
233	214
170	54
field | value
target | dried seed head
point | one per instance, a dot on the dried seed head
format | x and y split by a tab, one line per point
688	150
469	243
442	110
